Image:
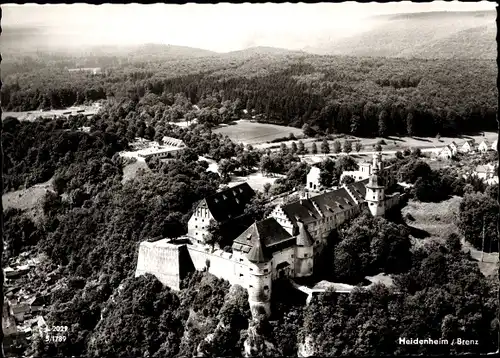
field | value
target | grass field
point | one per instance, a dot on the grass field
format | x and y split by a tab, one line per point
255	180
248	132
438	220
392	143
32	115
27	199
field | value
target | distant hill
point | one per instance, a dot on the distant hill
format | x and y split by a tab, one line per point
467	35
263	50
155	50
30	40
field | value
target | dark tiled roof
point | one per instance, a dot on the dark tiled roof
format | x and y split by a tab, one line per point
329	204
230	203
358	189
257	255
267	234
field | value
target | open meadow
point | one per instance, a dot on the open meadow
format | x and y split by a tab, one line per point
32	115
392	143
435	221
249	132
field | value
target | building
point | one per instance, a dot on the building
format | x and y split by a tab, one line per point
454	148
313	180
169	149
284	245
364	170
445	153
225	208
494	145
467	147
485	172
173	142
484	146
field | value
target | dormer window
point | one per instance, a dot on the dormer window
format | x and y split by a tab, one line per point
216	201
224	197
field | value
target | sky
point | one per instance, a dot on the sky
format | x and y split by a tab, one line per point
218	27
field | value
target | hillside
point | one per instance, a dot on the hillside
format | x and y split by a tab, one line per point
465	35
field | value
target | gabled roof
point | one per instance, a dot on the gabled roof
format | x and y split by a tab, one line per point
328	204
229	203
262	237
358	189
485	142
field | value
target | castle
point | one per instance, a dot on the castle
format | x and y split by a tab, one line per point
284	245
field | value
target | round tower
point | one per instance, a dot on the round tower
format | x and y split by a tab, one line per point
260	280
375	191
304	252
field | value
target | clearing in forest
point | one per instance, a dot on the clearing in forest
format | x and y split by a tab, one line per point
249	132
435	221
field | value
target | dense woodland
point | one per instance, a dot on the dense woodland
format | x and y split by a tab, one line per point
323	94
93	220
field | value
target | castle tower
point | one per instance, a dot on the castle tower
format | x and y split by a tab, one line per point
260	279
304	252
375	191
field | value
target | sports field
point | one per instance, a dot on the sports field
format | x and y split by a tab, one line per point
248	132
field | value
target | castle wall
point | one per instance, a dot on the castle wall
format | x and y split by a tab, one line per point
304	261
392	201
221	264
161	260
286	255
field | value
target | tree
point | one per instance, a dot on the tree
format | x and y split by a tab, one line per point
371	245
378	148
453	243
337	147
358	146
325	147
478	215
347	146
283	148
347	179
409	124
314	149
382	123
399	155
294	147
214	233
301	149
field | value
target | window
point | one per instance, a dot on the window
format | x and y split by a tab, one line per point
305	255
250	286
266	270
196	226
251	269
266	287
241	275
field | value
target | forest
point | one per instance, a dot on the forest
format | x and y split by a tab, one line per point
322	94
93	220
